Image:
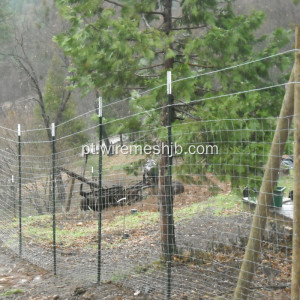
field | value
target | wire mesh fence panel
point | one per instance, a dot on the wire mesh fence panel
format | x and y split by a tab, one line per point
166	222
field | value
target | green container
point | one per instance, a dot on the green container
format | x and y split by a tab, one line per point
278	196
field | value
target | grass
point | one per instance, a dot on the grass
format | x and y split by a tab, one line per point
39	228
287	181
112	163
136	221
221	204
139	269
117	277
11	292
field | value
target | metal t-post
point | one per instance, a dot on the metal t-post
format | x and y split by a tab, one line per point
20	191
100	192
13	194
170	230
53	198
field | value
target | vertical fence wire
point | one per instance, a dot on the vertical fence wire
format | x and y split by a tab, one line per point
13	195
100	192
120	240
20	190
170	230
53	197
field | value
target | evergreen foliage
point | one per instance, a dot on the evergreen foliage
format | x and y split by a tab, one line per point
57	112
5	14
132	43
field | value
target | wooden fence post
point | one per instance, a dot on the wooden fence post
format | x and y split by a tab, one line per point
296	229
269	182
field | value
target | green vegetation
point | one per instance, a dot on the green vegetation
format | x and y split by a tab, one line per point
220	204
132	44
39	227
287	181
5	26
58	104
117	277
11	292
136	221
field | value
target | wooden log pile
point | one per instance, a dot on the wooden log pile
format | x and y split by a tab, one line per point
111	196
116	194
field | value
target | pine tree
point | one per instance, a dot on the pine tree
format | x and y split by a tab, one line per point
58	105
5	14
132	43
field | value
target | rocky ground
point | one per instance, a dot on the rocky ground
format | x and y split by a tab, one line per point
20	279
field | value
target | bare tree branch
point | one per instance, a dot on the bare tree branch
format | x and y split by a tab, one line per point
189	28
187	114
115	3
154	13
151	67
187	104
134	88
146	22
143	12
196	65
146	76
62	108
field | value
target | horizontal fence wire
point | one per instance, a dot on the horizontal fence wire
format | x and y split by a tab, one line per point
217	170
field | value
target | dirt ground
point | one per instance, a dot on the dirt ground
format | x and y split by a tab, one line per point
211	250
191	279
27	281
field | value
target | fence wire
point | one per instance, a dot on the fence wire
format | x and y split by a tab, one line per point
216	175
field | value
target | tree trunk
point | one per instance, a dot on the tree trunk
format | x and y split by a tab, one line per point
61	192
106	141
269	182
167	230
105	136
70	192
296	196
121	139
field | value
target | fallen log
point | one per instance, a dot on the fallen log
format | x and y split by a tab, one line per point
92	184
111	196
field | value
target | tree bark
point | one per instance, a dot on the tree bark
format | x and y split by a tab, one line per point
167	230
70	193
121	139
296	196
269	182
27	67
105	136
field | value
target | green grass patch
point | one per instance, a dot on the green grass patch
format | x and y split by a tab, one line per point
220	204
66	235
287	181
117	277
11	292
229	204
39	228
136	221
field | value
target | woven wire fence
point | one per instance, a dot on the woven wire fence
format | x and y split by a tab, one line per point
50	208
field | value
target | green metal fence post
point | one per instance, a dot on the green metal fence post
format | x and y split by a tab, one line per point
20	191
13	194
53	197
100	192
170	198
